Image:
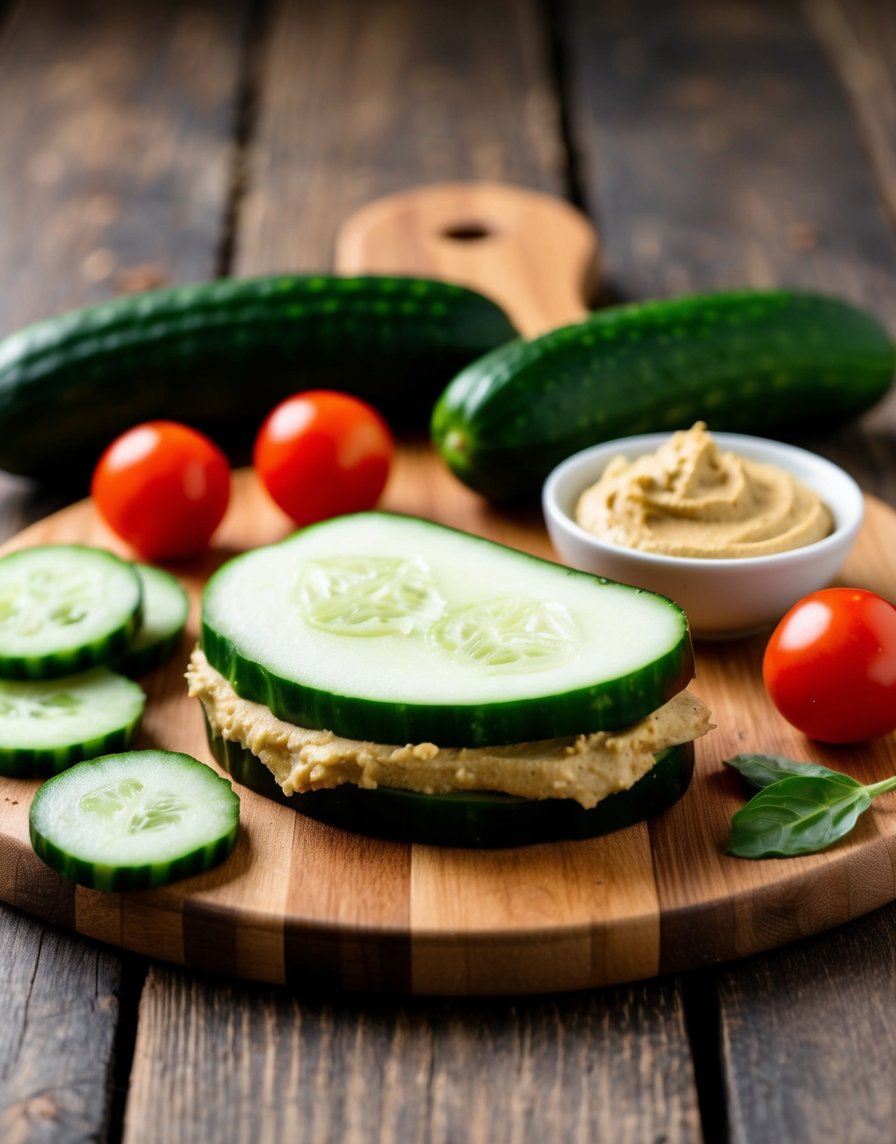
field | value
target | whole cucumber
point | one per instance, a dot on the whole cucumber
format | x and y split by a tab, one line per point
749	361
218	355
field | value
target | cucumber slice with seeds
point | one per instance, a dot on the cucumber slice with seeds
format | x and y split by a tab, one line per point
64	608
49	725
134	820
165	609
449	639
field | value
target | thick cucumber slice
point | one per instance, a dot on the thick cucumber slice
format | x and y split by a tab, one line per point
64	608
134	820
467	819
165	609
394	629
49	725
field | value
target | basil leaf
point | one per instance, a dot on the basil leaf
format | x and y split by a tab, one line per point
763	770
797	815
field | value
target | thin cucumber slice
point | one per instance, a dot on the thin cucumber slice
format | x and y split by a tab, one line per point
394	629
134	820
477	820
64	608
165	609
49	725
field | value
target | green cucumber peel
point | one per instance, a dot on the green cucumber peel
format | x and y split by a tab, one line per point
801	808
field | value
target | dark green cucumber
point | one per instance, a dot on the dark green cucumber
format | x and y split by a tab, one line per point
462	819
220	354
750	361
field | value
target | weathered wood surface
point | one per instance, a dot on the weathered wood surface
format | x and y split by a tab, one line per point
607	1065
320	107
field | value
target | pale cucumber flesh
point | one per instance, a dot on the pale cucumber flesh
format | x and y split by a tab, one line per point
395	629
134	820
49	725
64	608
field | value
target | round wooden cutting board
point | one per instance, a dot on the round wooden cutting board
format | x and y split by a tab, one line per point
302	902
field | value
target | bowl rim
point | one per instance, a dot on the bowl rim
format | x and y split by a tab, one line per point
846	523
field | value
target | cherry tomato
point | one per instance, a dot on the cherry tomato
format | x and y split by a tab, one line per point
322	453
163	487
830	665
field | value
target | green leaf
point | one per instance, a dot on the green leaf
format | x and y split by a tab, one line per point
763	770
797	815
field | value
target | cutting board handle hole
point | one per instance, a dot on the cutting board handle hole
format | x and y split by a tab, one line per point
469	230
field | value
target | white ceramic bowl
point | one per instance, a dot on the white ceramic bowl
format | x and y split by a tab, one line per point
722	598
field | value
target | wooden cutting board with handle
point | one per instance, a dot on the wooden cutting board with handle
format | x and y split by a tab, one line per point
302	902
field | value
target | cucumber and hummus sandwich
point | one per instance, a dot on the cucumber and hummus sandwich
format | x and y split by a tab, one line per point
403	679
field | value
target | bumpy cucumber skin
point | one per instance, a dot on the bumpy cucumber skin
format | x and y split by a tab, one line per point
609	705
220	354
749	361
482	821
110	877
103	650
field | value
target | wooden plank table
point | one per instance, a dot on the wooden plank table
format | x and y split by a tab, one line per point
714	142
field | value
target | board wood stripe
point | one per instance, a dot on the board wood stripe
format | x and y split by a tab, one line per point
353	894
490	899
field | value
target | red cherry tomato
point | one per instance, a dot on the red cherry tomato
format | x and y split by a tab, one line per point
322	453
163	487
830	665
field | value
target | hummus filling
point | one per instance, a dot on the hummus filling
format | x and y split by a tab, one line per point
691	499
586	768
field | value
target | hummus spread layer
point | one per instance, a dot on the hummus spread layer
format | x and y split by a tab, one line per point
586	768
691	498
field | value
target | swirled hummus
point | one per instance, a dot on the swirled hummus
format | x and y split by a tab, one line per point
690	498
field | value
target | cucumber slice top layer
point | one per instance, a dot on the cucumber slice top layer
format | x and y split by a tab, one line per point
64	608
394	629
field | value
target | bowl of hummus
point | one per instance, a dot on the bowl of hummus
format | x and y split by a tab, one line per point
734	528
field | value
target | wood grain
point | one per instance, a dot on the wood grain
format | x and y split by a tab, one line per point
116	119
357	100
860	38
59	992
306	1066
820	1065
